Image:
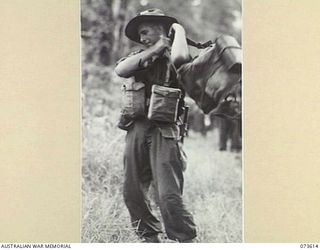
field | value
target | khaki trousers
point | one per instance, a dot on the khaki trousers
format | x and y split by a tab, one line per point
152	153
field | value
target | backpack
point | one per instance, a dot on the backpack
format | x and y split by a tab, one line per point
213	78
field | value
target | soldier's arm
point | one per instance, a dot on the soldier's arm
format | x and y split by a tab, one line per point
126	68
179	50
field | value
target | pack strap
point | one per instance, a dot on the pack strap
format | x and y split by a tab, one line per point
169	65
199	45
193	43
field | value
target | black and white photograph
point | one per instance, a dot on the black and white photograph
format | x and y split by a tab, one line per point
161	121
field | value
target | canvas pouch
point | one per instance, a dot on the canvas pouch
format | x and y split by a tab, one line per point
133	99
164	104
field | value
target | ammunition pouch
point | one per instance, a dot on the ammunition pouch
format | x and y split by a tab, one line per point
133	99
164	104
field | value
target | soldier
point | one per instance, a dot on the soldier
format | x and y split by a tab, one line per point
229	129
152	151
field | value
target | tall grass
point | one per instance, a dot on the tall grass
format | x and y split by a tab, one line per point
212	180
213	189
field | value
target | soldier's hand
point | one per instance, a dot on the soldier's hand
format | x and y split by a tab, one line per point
161	44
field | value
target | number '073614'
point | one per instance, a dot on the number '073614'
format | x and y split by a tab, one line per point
308	245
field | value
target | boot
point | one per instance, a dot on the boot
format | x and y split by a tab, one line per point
151	239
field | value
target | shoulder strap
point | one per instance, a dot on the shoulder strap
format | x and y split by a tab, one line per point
169	65
199	45
193	43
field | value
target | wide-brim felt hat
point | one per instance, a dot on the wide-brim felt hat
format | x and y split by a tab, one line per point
151	15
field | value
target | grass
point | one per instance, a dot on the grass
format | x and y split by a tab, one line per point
213	189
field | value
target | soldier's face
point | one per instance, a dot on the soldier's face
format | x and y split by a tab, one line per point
150	33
